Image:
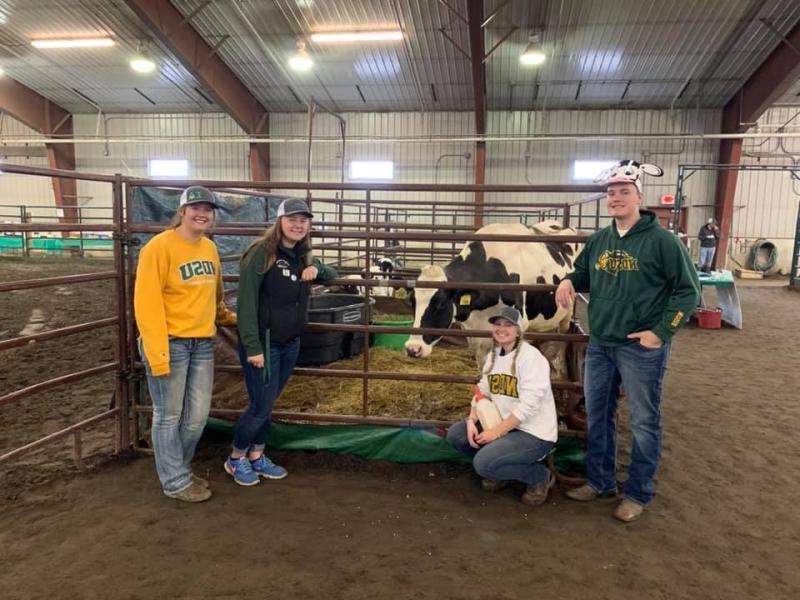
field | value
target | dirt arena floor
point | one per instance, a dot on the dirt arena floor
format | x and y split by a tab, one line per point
723	525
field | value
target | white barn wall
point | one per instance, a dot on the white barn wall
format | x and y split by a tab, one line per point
551	161
19	190
207	160
413	163
766	202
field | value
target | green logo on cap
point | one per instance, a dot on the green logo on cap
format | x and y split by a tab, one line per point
195	195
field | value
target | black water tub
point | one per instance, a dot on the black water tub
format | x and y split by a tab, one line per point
322	348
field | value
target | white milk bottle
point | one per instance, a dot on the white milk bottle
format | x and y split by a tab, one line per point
487	412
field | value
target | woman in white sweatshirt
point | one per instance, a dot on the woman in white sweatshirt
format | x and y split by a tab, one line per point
516	378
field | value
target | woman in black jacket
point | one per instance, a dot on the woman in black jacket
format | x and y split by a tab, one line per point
274	281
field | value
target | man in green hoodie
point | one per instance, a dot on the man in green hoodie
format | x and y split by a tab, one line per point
643	287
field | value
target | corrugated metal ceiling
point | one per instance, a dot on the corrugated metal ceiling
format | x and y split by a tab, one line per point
606	53
81	80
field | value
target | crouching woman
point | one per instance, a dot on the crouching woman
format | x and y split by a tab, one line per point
516	378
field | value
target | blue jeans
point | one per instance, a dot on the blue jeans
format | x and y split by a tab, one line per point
641	372
252	427
706	257
181	401
516	456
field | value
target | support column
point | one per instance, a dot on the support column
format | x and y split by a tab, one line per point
480	179
773	77
165	22
477	55
47	118
730	153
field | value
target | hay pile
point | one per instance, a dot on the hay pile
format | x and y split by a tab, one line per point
401	399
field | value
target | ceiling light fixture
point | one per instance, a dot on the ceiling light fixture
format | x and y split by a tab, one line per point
142	62
386	35
533	53
301	61
101	42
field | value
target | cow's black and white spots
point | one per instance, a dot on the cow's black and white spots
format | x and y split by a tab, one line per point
495	262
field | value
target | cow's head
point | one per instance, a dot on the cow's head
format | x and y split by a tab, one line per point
385	264
432	308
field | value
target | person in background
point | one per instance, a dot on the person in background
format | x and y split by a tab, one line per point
643	287
274	285
516	377
708	236
177	302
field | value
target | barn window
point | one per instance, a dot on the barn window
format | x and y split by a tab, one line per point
587	170
158	167
372	169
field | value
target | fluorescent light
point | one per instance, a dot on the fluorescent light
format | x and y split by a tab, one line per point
103	42
532	58
533	54
142	63
2	71
387	35
372	169
301	61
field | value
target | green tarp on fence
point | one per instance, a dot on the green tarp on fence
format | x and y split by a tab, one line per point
396	444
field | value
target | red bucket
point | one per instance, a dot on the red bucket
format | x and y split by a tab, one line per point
709	318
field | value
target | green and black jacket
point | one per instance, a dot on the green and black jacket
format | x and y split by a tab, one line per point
272	307
643	280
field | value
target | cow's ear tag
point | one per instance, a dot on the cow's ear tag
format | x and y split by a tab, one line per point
466	299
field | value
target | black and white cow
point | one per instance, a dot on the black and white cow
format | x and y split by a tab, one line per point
382	269
495	262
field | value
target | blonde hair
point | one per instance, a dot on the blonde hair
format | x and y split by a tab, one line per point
489	365
175	222
270	240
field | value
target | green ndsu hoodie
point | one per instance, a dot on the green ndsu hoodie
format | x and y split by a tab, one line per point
643	280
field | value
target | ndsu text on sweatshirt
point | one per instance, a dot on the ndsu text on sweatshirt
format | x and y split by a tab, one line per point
642	281
178	293
526	395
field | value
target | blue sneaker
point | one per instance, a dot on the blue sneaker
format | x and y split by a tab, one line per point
264	467
241	471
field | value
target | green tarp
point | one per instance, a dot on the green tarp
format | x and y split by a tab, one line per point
396	444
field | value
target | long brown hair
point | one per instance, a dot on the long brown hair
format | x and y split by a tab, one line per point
270	240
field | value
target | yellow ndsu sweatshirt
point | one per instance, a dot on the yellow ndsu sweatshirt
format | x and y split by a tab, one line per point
178	293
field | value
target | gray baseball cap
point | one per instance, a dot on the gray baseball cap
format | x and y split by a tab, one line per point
196	194
293	206
509	313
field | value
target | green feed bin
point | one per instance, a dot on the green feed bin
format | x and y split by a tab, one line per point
393	341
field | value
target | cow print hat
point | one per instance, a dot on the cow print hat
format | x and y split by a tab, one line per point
628	171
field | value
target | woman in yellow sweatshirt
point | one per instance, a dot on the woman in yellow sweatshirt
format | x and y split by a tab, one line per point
177	301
